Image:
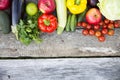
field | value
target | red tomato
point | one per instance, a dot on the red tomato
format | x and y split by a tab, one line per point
111	21
106	21
101	38
89	26
104	26
79	24
101	23
111	32
96	27
84	24
104	31
110	26
91	32
85	32
98	33
116	24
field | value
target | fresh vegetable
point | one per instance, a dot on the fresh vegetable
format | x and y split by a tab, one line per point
96	27
92	3
76	6
84	24
31	9
85	32
101	38
79	24
116	24
111	32
46	6
47	23
68	22
91	32
104	31
4	4
110	9
98	33
93	16
28	30
106	21
82	16
88	26
17	9
73	22
104	26
4	22
101	23
110	26
61	14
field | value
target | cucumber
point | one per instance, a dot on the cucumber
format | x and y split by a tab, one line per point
73	22
68	23
5	22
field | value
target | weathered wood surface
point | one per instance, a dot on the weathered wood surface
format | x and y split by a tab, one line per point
61	69
65	45
72	44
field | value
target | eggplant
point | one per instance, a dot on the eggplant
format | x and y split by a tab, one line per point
92	3
17	7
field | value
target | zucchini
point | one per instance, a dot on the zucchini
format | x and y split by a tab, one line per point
61	14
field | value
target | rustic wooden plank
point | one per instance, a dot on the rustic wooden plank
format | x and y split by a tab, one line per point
68	44
61	69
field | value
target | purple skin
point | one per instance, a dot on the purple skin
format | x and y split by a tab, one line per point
93	3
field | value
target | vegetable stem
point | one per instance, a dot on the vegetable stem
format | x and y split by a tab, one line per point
46	22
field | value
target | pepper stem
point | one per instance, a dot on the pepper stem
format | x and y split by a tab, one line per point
46	22
77	2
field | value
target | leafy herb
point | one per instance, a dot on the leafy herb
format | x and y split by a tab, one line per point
28	30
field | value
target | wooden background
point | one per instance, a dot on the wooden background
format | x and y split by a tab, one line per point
61	69
59	57
68	44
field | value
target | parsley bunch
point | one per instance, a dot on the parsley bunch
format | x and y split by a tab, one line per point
28	30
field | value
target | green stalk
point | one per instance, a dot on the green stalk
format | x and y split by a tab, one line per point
77	2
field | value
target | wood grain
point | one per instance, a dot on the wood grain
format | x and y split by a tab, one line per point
65	45
61	69
69	44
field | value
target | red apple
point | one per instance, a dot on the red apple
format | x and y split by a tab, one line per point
46	6
4	4
93	16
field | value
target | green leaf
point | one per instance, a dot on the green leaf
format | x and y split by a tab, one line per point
28	30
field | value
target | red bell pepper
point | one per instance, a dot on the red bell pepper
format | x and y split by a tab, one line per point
47	23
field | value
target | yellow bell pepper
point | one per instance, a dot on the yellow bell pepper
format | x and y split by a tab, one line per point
76	6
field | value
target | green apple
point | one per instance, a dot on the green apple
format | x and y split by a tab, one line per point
31	9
